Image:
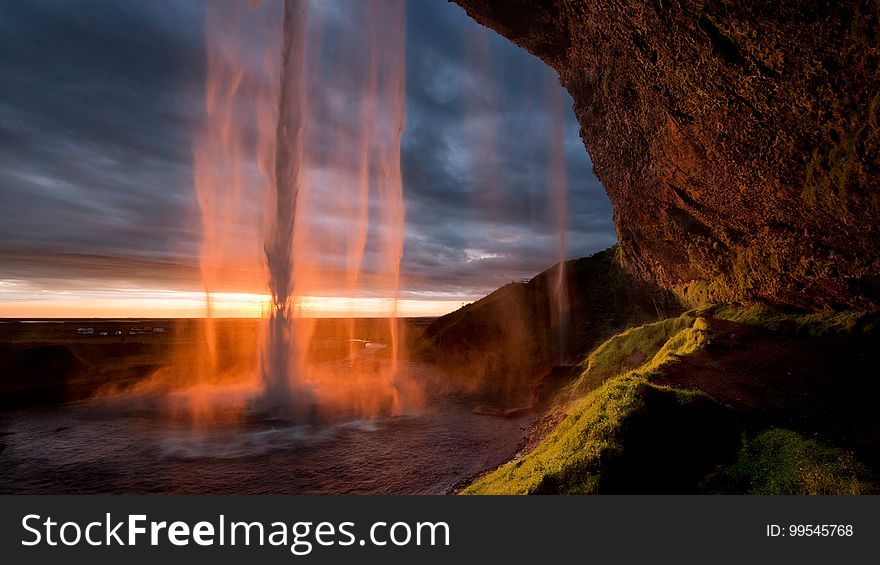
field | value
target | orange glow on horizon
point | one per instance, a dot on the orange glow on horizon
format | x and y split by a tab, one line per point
190	304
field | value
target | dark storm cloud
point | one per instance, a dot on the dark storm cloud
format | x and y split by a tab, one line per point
100	102
476	163
95	120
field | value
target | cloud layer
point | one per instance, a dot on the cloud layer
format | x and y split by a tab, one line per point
100	104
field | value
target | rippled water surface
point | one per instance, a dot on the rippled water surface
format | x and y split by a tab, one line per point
125	445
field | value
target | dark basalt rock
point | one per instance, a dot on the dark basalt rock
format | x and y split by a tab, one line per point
738	140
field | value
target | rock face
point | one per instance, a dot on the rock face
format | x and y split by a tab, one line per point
738	140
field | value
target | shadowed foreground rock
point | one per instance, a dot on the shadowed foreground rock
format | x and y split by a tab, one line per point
738	140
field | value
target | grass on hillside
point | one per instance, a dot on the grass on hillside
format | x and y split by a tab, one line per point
622	420
642	349
623	433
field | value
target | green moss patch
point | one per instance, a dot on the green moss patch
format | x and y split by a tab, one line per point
780	461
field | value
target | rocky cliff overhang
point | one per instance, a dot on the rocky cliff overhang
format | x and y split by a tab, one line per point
737	140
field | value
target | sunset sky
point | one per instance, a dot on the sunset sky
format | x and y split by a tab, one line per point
100	104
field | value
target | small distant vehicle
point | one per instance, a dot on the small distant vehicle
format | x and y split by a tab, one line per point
104	333
117	332
85	331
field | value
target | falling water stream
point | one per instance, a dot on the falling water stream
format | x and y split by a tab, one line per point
280	381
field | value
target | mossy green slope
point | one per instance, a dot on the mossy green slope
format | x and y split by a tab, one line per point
627	436
642	349
624	433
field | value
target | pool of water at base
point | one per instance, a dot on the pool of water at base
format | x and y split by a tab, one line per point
123	445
